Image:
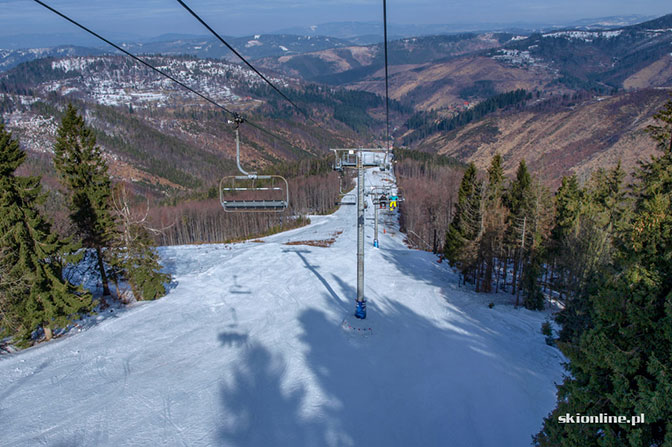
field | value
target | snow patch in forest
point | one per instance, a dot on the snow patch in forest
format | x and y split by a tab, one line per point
586	36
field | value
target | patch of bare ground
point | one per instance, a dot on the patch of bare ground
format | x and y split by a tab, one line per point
659	73
314	243
318	242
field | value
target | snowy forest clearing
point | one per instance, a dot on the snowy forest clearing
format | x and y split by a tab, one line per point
247	349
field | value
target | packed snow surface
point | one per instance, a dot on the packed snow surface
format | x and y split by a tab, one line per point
248	349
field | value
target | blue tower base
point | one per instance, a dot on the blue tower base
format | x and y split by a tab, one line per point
360	310
375	243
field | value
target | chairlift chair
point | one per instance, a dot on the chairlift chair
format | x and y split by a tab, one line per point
349	159
337	166
238	193
251	192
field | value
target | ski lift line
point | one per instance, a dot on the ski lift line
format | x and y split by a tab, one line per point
134	57
162	73
240	56
387	85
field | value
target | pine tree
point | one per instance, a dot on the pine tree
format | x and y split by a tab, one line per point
539	224
460	248
494	221
495	179
568	204
34	291
135	257
533	296
84	171
143	267
588	222
519	199
622	364
661	132
564	250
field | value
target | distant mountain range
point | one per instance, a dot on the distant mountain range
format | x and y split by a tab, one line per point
362	33
433	70
372	32
252	47
598	83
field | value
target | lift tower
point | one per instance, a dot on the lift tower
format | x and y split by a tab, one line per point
354	158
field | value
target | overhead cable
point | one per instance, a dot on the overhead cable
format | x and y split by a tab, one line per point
240	56
387	88
163	73
142	61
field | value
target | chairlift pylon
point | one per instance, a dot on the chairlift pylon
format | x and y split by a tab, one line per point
239	193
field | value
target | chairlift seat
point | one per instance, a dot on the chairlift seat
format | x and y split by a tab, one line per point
250	205
231	185
365	164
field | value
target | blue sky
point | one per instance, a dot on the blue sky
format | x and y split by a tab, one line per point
147	18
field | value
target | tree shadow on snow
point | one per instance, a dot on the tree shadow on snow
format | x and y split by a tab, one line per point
421	266
411	382
417	380
258	411
416	264
380	390
9	390
382	393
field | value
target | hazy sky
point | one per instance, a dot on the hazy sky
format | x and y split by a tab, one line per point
243	17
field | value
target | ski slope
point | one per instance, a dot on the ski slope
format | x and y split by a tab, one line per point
247	349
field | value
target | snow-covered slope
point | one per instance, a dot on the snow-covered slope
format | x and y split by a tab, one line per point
248	350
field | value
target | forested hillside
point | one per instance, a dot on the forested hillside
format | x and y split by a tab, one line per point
602	60
572	135
354	63
161	137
